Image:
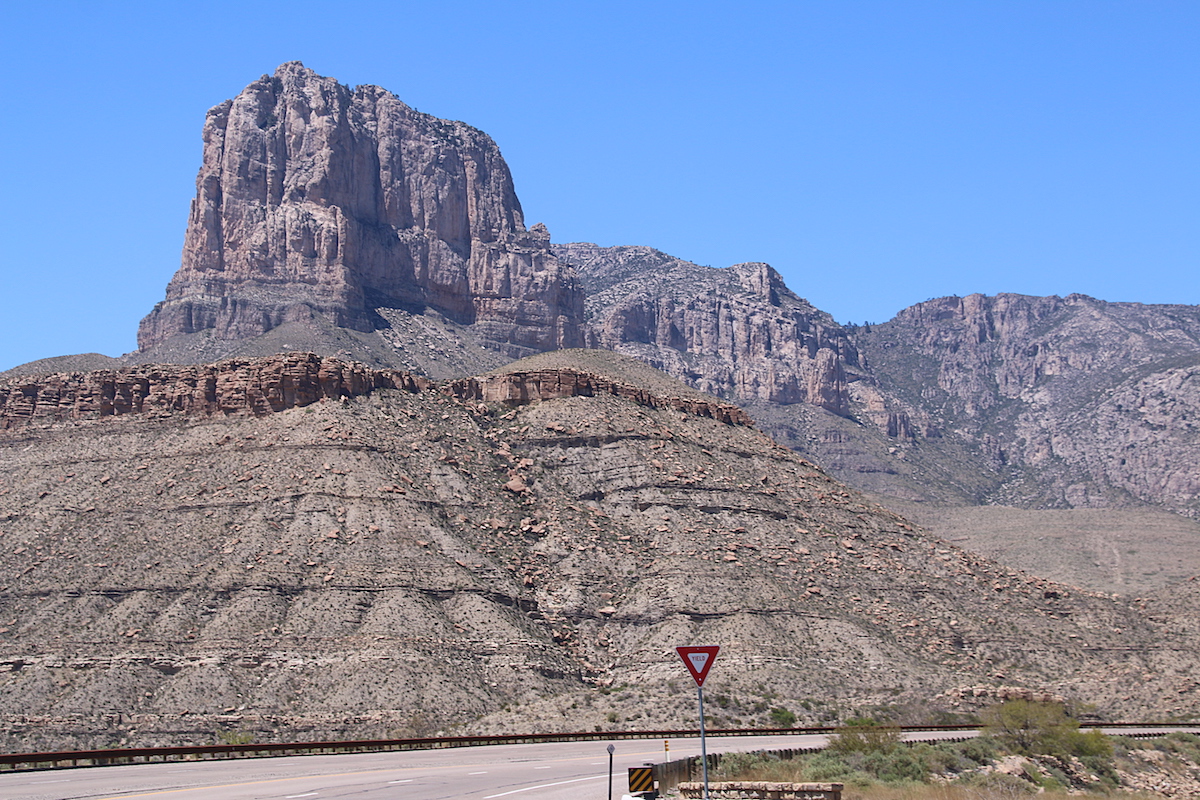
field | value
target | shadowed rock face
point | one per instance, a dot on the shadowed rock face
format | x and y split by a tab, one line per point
315	199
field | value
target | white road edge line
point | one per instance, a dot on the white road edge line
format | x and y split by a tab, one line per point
543	786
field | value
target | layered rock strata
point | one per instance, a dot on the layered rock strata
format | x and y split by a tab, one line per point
1067	402
258	386
408	561
317	199
277	383
738	333
521	388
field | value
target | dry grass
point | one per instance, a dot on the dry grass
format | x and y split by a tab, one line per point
967	793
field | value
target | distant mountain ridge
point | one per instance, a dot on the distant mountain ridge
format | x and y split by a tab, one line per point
345	223
1026	401
324	500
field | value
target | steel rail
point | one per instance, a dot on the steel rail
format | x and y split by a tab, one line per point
13	762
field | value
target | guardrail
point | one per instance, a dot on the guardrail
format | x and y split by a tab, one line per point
11	762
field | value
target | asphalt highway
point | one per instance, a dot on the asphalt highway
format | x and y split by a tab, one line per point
562	771
550	771
559	771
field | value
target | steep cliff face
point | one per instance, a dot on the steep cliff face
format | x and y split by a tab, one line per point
738	333
1071	401
316	199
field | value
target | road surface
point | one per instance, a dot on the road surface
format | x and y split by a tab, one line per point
558	771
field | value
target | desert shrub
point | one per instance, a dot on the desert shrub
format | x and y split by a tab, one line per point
899	765
1185	744
1050	780
864	735
941	758
1092	744
997	784
783	718
979	749
1032	729
745	766
827	766
235	737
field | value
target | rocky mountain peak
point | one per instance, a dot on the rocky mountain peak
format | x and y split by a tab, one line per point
738	333
315	200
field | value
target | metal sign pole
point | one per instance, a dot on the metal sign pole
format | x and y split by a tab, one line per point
703	745
611	748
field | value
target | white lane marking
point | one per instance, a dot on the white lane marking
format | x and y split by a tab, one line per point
477	773
543	786
290	796
406	780
541	768
64	780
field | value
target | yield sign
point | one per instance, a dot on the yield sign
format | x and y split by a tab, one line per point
698	660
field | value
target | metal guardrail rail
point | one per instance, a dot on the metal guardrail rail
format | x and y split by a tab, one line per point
11	762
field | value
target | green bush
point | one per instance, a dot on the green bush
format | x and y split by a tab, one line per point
235	737
864	735
783	718
1043	729
827	766
899	765
980	749
733	766
941	758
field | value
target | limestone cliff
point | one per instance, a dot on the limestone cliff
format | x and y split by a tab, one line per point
1069	402
315	199
738	333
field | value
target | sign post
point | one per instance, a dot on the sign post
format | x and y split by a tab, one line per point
611	748
699	661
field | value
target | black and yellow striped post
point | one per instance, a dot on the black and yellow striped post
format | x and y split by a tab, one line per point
641	779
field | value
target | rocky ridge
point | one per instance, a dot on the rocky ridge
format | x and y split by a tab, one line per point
315	200
228	387
344	567
1065	402
737	333
1032	402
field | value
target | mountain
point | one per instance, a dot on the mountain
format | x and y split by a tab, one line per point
1065	402
299	548
323	500
320	207
1036	402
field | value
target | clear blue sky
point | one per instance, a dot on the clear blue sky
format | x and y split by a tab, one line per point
877	153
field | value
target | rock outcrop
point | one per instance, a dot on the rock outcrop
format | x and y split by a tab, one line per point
523	387
259	386
738	333
317	199
1067	402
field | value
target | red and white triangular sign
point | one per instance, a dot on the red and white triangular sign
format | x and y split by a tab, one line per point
698	660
